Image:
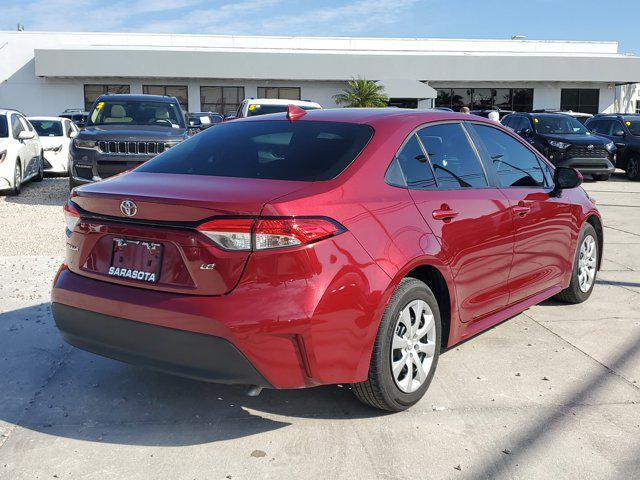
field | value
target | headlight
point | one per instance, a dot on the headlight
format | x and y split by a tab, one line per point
560	145
609	146
78	143
3	155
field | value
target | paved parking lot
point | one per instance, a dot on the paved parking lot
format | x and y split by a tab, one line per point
551	393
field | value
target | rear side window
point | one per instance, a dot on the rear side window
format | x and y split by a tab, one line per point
514	164
276	150
415	165
454	161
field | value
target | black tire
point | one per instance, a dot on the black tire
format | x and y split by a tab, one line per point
380	390
573	293
17	179
40	175
633	168
601	177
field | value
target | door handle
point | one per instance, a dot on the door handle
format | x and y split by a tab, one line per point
521	209
445	214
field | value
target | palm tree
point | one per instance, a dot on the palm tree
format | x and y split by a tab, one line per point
361	92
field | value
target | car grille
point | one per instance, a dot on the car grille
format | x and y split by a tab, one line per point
131	148
584	152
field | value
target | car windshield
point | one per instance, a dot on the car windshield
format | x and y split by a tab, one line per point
559	124
135	112
263	109
277	150
4	132
47	128
633	126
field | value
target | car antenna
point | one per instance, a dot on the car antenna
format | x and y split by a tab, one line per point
294	113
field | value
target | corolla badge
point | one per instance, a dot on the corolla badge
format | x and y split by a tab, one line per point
128	208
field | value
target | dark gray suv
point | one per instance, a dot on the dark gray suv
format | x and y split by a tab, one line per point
123	131
624	131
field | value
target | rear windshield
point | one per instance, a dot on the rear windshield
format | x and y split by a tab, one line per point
4	133
277	150
259	109
47	128
135	112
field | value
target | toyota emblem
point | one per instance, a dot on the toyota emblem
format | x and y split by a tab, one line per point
590	147
129	208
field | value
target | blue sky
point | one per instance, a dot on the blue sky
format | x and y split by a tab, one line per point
537	19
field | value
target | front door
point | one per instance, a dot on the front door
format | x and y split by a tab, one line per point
471	220
542	247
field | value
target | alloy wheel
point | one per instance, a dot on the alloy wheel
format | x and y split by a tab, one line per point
587	263
632	168
17	177
413	346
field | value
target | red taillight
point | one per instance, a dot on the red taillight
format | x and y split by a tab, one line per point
243	234
289	232
71	216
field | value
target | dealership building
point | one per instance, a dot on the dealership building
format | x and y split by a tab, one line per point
44	73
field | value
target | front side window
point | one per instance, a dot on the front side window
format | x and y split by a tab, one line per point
4	130
271	149
452	157
48	128
559	125
514	164
135	112
415	165
633	126
16	126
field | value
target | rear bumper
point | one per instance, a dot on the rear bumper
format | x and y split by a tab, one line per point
179	352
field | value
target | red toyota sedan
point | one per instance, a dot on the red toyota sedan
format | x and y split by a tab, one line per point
323	247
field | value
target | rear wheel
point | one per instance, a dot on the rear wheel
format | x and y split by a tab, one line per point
17	179
406	350
633	168
601	177
585	268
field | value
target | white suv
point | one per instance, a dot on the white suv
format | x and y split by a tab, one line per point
261	106
20	152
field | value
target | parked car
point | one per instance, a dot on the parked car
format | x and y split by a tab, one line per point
76	115
580	116
331	246
20	152
261	106
624	131
56	135
199	121
122	132
566	142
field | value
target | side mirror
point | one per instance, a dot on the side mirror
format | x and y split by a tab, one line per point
26	135
229	117
525	132
619	133
564	178
73	134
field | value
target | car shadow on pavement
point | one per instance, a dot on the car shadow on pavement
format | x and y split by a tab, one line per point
51	191
56	389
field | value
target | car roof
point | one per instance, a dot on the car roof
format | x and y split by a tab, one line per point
4	111
137	97
282	101
372	116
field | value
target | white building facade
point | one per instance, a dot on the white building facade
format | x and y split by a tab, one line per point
44	73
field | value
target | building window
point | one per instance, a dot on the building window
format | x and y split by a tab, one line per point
637	106
289	93
223	100
92	92
585	100
179	91
518	99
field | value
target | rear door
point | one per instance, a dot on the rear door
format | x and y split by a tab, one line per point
470	218
542	223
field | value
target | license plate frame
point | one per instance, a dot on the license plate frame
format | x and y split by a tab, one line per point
134	259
